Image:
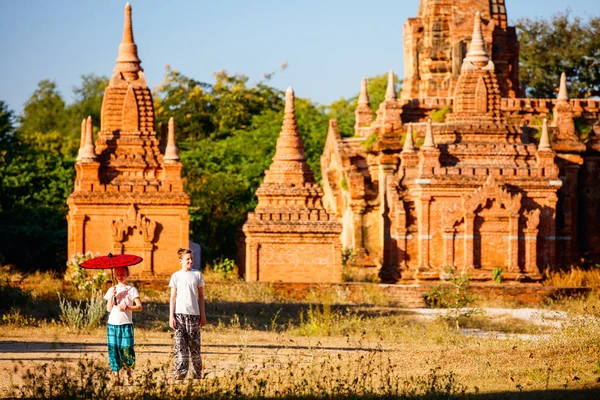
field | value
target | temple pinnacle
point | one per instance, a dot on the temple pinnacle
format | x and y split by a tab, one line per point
88	151
289	117
429	143
128	60
171	151
390	92
363	98
545	139
562	91
477	55
409	145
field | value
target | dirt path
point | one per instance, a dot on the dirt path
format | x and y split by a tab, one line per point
29	348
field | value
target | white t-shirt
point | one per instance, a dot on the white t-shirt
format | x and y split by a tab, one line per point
125	295
187	283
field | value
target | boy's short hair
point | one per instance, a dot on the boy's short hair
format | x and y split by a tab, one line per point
183	251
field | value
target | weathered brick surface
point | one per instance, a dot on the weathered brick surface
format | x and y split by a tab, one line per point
128	195
472	192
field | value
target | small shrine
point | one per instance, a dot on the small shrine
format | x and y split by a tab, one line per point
290	237
128	195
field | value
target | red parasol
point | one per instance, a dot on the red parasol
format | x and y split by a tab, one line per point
111	262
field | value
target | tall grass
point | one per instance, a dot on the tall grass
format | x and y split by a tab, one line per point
575	277
372	374
83	314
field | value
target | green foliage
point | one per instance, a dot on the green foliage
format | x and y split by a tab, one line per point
225	269
83	315
559	44
347	256
583	128
456	298
440	115
497	275
44	111
317	322
84	280
16	319
369	142
344	183
342	110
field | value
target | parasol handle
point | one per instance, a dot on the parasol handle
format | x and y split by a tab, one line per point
114	283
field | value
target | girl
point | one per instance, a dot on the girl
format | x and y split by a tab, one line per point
122	300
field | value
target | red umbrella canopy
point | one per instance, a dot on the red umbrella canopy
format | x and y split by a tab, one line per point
112	261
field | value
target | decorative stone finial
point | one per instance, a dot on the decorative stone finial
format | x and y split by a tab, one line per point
477	55
363	98
390	92
171	151
88	151
289	117
562	91
409	145
429	143
81	141
545	139
128	60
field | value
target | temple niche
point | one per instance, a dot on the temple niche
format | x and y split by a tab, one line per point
472	191
290	237
128	195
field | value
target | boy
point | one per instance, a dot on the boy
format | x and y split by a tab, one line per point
187	315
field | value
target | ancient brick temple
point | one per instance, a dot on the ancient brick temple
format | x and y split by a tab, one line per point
128	196
290	237
471	191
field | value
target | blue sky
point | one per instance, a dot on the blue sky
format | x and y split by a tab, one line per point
329	45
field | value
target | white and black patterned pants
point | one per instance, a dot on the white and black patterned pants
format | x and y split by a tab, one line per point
187	345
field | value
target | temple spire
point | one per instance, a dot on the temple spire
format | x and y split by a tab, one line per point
562	91
128	60
289	163
363	98
429	143
88	151
289	144
171	151
545	139
390	92
409	145
477	55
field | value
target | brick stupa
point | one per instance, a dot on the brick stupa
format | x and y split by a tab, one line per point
128	196
290	237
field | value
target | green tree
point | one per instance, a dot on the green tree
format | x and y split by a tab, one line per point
45	122
33	187
561	43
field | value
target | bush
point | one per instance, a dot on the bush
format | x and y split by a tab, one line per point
84	279
225	269
83	315
457	298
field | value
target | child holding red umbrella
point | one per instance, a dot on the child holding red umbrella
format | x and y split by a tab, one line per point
122	300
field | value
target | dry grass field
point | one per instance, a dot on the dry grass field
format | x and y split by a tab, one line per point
260	346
